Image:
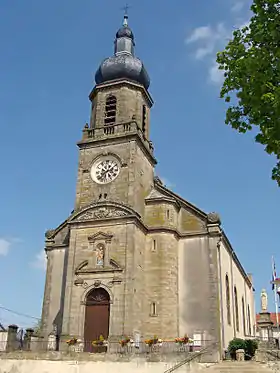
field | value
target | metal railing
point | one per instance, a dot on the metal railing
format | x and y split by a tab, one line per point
162	348
192	357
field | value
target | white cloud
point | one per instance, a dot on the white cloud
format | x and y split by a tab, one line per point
237	6
216	76
40	261
200	33
5	246
208	39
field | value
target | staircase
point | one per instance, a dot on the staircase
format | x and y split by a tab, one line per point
240	367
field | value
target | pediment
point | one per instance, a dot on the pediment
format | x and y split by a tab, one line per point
103	210
158	196
100	236
85	267
192	209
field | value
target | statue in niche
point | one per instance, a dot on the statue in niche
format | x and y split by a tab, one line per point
100	251
264	301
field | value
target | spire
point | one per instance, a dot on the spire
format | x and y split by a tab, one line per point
124	42
125	17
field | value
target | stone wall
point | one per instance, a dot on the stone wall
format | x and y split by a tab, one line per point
3	341
35	366
238	325
22	362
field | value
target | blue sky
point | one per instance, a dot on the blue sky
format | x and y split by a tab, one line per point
49	54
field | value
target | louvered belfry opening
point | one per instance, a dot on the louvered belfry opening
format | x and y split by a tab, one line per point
97	316
110	111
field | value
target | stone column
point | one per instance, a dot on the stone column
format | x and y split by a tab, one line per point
12	338
265	327
213	335
264	323
27	339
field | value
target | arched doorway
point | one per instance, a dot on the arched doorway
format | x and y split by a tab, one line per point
97	316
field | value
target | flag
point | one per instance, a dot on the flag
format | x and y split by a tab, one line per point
273	274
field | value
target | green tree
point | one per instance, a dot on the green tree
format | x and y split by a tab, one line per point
37	328
251	64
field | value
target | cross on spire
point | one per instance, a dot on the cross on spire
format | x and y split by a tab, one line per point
125	8
125	18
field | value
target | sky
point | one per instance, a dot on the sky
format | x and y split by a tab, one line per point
50	51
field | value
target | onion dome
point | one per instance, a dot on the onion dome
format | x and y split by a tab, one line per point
123	64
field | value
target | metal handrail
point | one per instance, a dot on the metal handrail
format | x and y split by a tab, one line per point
189	358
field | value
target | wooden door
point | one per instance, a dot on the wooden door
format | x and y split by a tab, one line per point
97	317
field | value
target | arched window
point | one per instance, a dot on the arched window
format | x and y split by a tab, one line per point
110	110
228	300
236	309
243	317
249	321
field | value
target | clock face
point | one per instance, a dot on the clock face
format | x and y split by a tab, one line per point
105	170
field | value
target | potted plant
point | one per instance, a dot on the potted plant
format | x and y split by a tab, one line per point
72	341
182	341
152	341
100	345
125	341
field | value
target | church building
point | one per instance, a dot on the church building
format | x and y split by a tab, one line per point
134	258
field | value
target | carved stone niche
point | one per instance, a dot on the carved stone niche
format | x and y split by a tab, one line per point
100	243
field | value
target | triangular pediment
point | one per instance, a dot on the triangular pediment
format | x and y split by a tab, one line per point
156	195
192	209
100	236
103	210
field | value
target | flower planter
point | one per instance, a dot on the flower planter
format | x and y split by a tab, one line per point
99	349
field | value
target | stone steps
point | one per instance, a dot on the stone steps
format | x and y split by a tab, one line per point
240	367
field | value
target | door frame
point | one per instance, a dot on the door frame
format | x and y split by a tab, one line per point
83	307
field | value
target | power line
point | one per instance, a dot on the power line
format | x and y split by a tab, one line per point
19	313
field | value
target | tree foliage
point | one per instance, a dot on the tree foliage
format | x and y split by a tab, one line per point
248	345
251	64
38	328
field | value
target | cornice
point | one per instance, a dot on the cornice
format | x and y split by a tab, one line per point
120	83
118	139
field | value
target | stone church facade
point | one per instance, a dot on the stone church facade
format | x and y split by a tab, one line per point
134	257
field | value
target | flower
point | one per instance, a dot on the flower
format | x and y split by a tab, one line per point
71	341
152	341
125	341
182	341
100	342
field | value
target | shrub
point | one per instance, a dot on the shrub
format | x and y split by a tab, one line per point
234	345
250	347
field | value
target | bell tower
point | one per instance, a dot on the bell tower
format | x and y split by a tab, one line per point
116	160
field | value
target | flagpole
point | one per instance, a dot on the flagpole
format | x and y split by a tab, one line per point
275	295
